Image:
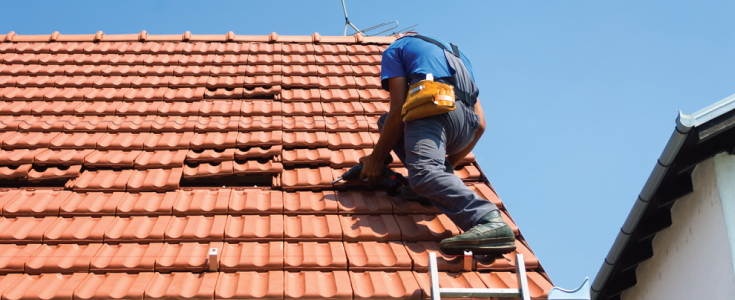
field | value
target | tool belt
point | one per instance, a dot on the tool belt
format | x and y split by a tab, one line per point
428	98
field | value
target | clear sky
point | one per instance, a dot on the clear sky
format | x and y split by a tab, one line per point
580	97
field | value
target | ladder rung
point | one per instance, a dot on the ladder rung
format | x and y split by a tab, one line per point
464	292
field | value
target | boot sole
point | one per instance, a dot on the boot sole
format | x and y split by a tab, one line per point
482	247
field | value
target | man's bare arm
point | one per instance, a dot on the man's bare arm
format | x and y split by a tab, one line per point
454	159
392	132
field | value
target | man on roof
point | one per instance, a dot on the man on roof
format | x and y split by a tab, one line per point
430	147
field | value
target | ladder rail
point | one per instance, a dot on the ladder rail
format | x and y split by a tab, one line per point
521	292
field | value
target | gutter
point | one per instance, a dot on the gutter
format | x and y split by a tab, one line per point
684	124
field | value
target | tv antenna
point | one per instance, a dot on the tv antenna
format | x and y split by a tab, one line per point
379	26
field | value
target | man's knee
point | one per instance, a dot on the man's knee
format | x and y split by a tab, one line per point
421	177
381	121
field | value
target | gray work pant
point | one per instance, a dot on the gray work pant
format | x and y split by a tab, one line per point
423	148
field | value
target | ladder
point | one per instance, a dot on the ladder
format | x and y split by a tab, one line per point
521	292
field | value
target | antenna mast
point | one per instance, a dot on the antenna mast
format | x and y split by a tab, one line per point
347	21
362	32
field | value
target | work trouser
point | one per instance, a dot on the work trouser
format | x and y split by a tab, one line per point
423	148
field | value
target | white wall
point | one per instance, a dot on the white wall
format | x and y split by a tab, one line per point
691	259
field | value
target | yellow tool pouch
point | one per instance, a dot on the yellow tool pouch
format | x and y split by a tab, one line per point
428	98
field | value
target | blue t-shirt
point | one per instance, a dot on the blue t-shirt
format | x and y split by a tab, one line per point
413	57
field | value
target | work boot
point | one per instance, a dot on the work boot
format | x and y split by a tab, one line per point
491	235
412	196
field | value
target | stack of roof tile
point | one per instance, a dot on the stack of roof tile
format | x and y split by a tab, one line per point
126	158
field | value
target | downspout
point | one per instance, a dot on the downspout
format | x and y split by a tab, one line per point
684	124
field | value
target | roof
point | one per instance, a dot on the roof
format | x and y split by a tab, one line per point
696	138
125	158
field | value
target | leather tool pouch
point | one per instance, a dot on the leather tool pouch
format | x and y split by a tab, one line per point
428	98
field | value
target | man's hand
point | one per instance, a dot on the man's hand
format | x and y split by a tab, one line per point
371	170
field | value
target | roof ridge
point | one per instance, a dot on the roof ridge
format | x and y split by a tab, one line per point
143	36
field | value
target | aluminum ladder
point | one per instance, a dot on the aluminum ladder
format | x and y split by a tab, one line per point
521	292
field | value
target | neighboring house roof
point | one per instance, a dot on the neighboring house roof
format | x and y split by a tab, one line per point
125	158
696	138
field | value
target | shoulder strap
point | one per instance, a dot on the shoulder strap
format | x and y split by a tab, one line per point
455	49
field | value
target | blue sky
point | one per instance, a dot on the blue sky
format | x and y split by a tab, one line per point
580	97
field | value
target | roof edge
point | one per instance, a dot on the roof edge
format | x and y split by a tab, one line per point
684	125
187	36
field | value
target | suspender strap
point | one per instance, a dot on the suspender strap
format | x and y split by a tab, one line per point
454	50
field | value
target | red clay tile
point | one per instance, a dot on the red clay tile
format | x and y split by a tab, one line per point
300	82
323	256
307	156
211	155
184	81
29	140
89	123
301	95
364	202
169	141
299	70
185	257
508	261
107	94
107	81
210	201
305	139
97	107
255	201
67	94
381	228
367	82
111	159
214	140
159	180
468	173
23	230
257	152
257	107
79	229
138	108
102	181
11	123
65	157
217	123
230	59
258	123
247	256
250	285
220	108
131	124
138	229
384	285
170	286
174	124
126	258
53	173
80	70
193	70
347	157
250	228
17	107
13	258
426	227
55	107
120	70
264	59
161	159
259	138
312	228
374	95
262	80
123	141
77	81
147	204
12	172
179	108
208	170
402	206
335	70
44	286
317	285
449	280
336	82
419	252
65	258
16	70
303	123
76	140
305	178
298	48
346	123
262	92
538	286
339	95
45	123
227	70
19	156
113	286
269	167
223	93
332	59
90	204
486	192
373	59
373	125
363	49
196	228
302	108
342	108
352	140
156	70
305	202
185	94
364	256
298	59
330	49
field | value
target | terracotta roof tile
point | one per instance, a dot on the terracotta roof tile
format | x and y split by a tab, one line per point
252	256
51	286
312	228
250	228
306	202
29	140
259	138
255	201
302	95
146	204
450	280
307	156
137	229
169	141
304	123
77	229
402	206
37	174
65	258
123	141
426	227
311	255
23	230
138	108
111	158
207	170
220	107
76	140
90	204
384	285
14	258
169	286
211	155
509	263
381	228
259	107
315	284
185	257
244	285
352	140
19	156
343	95
364	202
305	178
373	95
103	181
127	257
64	157
35	202
245	152
158	180
420	250
302	108
342	108
364	256
17	171
179	108
258	123
334	70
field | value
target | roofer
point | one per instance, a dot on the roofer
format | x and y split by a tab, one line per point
430	147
